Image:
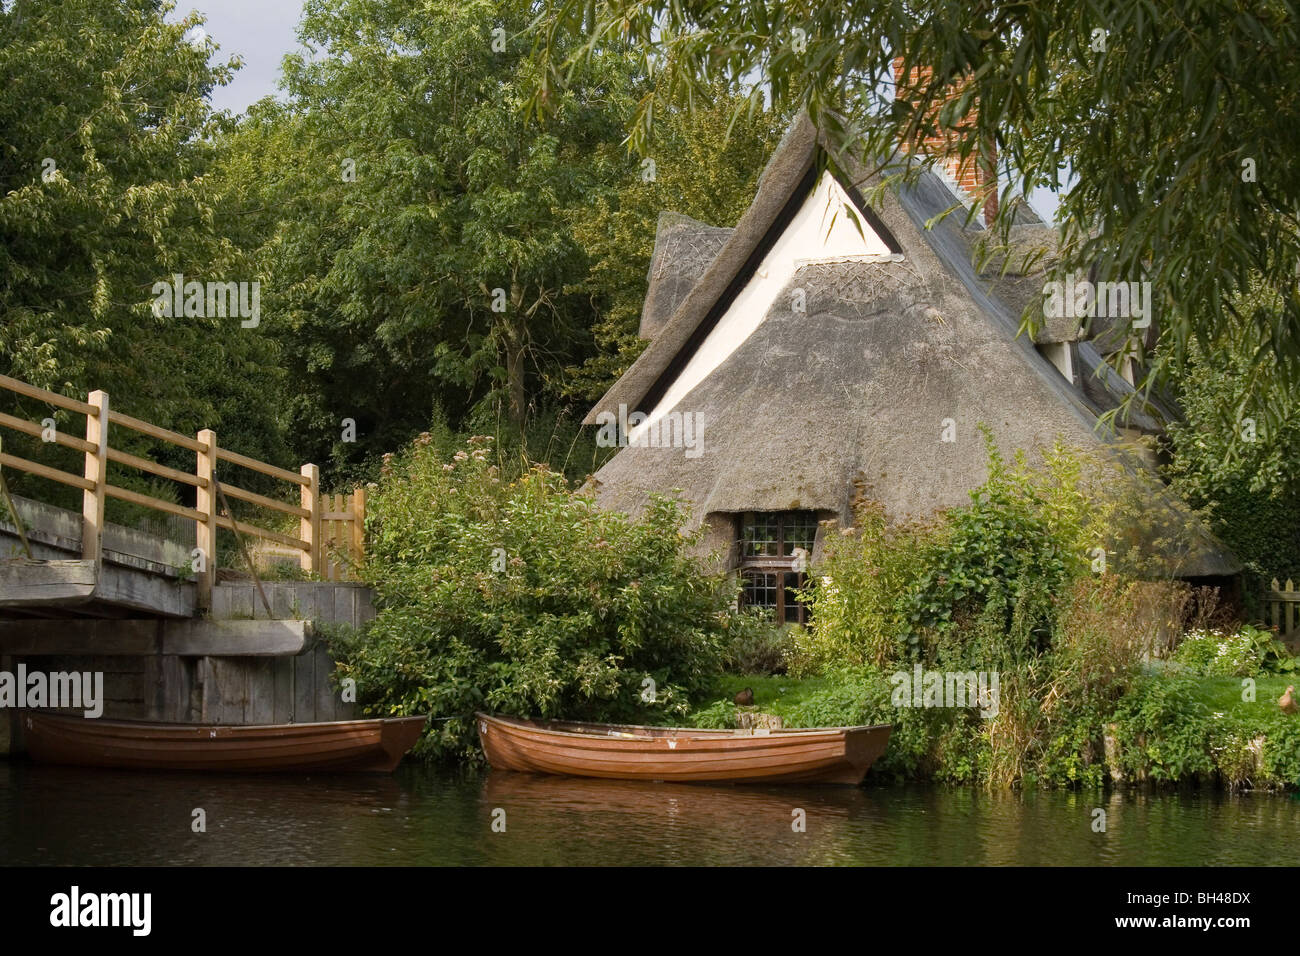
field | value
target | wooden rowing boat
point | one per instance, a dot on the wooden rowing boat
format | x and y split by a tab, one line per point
342	745
681	754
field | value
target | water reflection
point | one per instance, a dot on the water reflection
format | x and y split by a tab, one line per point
423	816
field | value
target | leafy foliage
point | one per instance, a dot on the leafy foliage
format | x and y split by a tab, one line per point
403	189
1241	652
102	194
519	596
1240	466
755	644
858	590
1004	586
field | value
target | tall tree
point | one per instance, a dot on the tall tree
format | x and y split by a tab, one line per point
423	247
106	139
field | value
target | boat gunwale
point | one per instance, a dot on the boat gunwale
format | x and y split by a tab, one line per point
704	733
169	725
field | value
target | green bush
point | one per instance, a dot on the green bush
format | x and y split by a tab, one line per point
912	590
856	591
755	644
522	597
1164	730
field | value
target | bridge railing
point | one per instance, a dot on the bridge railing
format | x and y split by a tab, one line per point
330	528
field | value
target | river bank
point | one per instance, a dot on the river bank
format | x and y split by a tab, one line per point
1171	729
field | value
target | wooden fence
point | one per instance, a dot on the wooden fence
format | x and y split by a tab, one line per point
1280	609
330	528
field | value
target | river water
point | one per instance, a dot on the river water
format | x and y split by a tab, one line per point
427	816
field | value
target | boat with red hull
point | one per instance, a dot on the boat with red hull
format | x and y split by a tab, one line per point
681	754
376	745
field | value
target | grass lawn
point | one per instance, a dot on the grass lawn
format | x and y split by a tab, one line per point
1223	694
772	695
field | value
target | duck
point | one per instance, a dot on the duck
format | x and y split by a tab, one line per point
745	697
1287	701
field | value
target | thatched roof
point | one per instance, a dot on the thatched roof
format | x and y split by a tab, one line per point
1018	273
861	383
684	250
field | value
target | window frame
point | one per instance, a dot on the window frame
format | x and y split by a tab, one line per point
781	565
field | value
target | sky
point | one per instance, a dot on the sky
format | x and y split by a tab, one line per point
261	31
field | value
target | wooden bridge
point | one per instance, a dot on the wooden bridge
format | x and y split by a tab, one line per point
185	636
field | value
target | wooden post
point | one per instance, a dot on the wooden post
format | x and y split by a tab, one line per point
205	531
358	525
310	527
331	529
1290	608
340	539
92	499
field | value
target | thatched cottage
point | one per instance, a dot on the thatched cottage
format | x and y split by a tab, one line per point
801	352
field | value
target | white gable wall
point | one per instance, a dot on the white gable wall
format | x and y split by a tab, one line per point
821	230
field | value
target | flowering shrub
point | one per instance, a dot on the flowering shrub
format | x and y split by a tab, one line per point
521	597
1218	653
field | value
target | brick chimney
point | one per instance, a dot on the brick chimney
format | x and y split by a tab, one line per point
974	177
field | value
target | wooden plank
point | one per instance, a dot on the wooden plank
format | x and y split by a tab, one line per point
205	528
337	565
246	528
141	637
282	602
123	689
310	527
365	606
326	695
282	693
220	606
345	606
154	698
155	503
261	691
36	431
49	398
153	431
226	692
304	697
253	464
143	591
265	502
308	600
235	602
178	687
358	525
260	612
44	471
153	468
104	637
200	637
25	583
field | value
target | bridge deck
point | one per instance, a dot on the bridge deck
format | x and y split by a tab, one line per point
139	574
